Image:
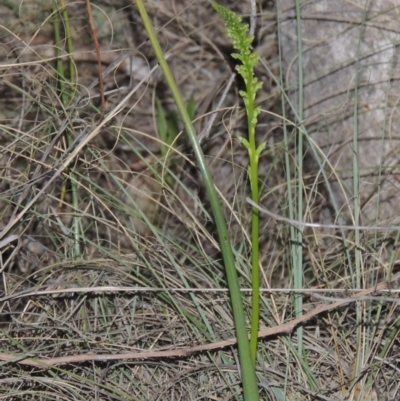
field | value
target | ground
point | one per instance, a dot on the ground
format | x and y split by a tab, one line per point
112	279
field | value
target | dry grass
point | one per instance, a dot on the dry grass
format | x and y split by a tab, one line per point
145	232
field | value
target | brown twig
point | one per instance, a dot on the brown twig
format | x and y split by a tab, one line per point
284	328
98	56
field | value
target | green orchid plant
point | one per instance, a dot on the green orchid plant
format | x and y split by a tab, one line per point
241	41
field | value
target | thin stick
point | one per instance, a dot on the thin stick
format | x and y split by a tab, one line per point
301	224
253	14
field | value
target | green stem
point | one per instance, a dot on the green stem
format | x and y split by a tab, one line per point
255	258
250	388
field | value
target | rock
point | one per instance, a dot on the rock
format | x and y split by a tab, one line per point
350	89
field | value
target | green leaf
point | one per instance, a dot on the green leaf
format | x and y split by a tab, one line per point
244	142
260	150
162	124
